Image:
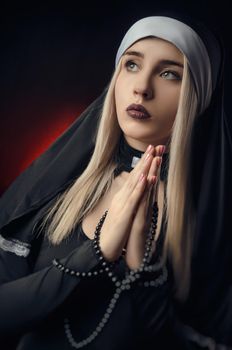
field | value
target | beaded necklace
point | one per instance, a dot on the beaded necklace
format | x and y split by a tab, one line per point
130	277
126	159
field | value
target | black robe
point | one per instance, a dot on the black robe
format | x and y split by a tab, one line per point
208	309
36	297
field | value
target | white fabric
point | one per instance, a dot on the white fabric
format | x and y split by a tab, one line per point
15	246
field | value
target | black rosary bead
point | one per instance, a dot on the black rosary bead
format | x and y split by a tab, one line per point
131	276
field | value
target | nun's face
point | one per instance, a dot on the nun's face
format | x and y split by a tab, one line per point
150	78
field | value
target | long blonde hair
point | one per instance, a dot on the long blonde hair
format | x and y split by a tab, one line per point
83	193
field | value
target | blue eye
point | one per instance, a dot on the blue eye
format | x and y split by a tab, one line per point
169	73
131	66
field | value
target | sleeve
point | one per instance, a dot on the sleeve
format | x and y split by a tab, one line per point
182	335
26	298
187	328
190	338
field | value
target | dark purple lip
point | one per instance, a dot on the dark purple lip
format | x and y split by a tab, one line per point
138	111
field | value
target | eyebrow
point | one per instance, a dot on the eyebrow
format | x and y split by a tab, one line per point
162	62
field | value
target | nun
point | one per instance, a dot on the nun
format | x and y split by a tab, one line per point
119	235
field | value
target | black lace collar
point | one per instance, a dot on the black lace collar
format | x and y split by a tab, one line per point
127	157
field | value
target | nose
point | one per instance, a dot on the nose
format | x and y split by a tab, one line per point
143	89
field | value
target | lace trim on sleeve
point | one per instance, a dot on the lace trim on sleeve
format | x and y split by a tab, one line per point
15	246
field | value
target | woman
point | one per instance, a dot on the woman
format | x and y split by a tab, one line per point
101	247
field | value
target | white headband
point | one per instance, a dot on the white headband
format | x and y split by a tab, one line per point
186	40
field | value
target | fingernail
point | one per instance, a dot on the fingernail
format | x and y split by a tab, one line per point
158	161
161	150
149	148
141	177
153	179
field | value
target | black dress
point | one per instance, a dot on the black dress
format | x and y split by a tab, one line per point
36	297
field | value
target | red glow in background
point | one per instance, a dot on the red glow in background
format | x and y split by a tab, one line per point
55	62
49	76
37	126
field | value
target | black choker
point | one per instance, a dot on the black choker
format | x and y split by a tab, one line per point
127	157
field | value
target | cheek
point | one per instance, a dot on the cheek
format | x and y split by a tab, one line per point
165	109
169	102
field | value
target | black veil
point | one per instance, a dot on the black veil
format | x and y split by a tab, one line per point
47	176
209	305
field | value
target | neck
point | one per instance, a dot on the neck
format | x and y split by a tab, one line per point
126	158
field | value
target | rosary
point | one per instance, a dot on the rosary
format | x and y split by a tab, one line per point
120	284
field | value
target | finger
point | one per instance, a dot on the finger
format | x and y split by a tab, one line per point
143	166
136	182
152	180
146	198
138	174
156	152
155	165
154	170
145	202
139	220
143	213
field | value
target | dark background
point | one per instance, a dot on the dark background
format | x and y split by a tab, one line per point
56	59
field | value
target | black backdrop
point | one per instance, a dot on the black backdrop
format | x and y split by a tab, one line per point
55	59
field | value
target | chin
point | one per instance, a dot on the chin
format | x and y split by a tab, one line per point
137	138
140	134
